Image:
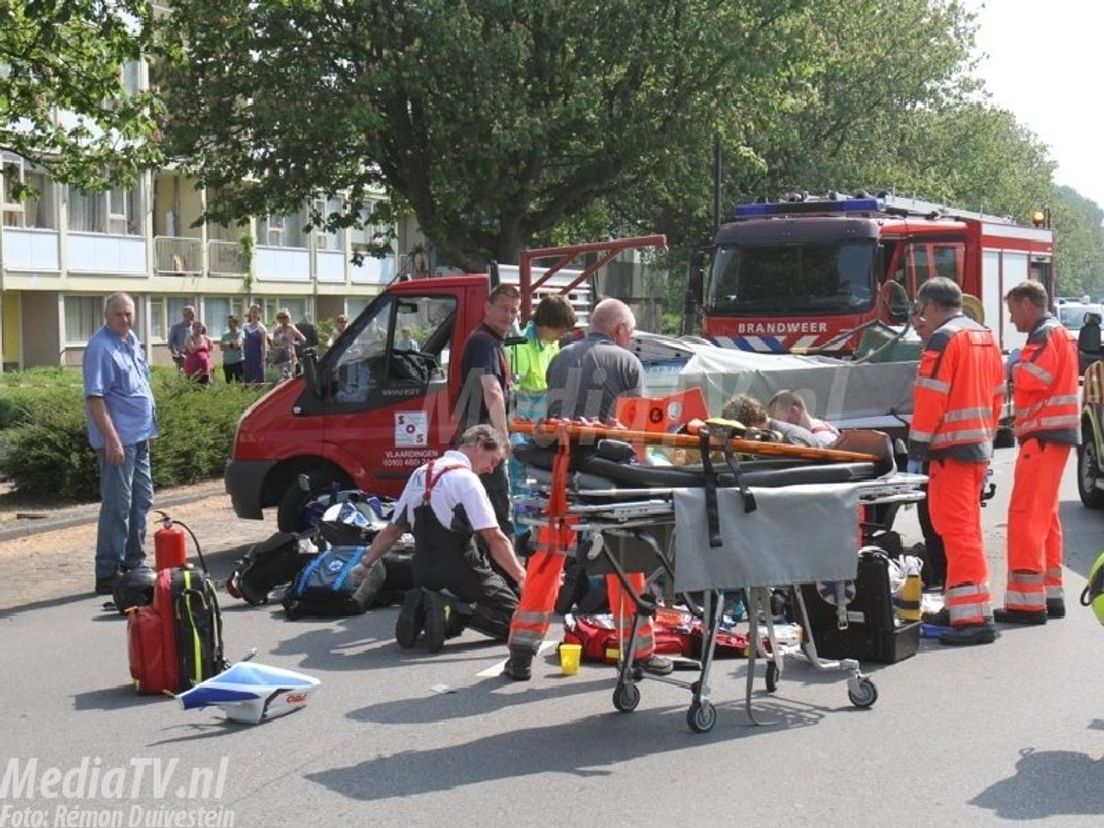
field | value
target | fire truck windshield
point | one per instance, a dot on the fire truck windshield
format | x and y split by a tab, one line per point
820	278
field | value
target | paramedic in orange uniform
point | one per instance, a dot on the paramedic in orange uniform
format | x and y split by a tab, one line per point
1044	393
584	380
956	405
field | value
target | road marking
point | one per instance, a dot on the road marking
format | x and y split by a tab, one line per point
545	646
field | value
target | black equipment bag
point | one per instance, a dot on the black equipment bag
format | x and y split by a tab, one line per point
269	564
326	586
198	622
873	633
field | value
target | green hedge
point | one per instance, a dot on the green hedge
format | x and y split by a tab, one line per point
48	455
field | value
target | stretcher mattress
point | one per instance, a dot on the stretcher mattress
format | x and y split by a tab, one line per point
797	534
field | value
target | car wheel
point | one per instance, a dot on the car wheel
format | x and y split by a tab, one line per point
289	514
1088	472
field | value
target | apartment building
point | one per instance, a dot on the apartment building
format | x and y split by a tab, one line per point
64	251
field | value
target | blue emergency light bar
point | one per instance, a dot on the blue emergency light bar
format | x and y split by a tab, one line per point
791	208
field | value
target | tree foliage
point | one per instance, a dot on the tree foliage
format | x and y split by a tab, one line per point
1079	243
502	123
495	120
62	102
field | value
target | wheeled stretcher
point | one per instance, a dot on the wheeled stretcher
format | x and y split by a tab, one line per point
756	525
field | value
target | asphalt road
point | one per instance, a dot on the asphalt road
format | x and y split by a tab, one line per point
1008	733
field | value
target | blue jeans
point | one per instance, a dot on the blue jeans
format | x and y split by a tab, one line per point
126	494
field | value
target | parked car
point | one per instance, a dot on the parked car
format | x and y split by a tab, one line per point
1090	454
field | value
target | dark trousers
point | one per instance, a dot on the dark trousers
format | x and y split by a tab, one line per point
934	572
470	578
497	485
233	371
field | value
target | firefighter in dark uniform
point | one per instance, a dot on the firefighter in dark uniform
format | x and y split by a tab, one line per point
445	505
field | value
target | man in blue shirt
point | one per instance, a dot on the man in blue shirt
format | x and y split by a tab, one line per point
121	422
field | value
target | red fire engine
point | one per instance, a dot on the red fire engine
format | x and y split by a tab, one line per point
808	275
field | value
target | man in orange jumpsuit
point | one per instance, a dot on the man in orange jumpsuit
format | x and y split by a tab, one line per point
956	405
584	380
1044	391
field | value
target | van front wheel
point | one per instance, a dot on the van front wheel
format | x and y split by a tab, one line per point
290	514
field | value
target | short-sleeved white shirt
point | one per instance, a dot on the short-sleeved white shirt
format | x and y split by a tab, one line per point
458	487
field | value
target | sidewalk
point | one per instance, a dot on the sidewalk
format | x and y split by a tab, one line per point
49	560
62	518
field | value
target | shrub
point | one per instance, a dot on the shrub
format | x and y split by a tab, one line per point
48	453
49	456
20	391
196	425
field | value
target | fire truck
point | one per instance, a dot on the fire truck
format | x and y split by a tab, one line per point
811	274
371	410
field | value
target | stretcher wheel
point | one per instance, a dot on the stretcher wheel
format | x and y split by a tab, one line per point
626	697
701	717
866	694
772	676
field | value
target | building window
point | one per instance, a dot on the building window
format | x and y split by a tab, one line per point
130	74
330	241
355	305
174	311
159	326
216	309
36	209
83	317
274	231
115	212
294	305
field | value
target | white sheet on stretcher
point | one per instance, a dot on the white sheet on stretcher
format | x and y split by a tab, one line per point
798	534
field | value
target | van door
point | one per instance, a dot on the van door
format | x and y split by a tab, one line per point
385	389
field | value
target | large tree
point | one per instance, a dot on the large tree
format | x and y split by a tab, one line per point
496	121
1079	240
63	105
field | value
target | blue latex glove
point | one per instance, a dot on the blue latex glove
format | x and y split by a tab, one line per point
915	467
1013	358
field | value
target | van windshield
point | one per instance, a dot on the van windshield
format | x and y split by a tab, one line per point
794	280
1072	314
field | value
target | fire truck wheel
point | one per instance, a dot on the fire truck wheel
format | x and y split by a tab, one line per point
289	512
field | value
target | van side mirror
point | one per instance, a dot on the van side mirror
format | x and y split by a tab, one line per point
896	301
310	372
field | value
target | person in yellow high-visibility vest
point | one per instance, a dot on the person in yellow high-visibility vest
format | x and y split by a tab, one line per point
553	318
529	361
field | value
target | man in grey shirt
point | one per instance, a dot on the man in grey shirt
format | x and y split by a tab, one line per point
586	378
179	333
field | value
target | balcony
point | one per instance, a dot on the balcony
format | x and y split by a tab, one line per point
226	259
107	253
30	250
177	256
283	264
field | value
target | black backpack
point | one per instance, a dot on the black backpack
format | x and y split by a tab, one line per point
269	564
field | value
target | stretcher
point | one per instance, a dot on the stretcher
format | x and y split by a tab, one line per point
759	524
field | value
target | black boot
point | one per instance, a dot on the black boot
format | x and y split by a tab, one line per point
1056	608
966	635
1024	617
411	618
106	586
434	603
519	666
